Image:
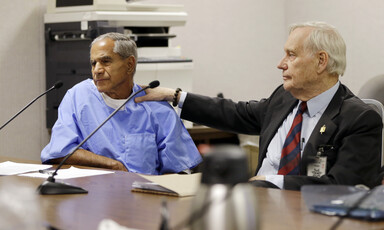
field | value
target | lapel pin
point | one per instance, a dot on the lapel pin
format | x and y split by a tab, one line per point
322	129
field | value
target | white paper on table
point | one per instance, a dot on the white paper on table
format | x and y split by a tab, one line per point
8	168
70	173
108	224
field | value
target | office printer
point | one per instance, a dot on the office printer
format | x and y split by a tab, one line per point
71	25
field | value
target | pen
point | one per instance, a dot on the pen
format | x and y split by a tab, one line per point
302	143
44	171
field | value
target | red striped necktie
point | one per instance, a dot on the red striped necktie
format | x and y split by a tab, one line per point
291	153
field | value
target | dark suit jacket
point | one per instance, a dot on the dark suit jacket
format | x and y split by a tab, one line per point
352	128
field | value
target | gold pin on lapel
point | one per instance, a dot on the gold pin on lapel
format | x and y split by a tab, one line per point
322	129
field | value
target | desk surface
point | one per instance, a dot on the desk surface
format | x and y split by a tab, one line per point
207	135
110	197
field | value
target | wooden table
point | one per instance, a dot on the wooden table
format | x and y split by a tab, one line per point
110	197
206	135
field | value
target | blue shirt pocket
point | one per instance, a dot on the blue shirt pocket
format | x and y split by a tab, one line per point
141	154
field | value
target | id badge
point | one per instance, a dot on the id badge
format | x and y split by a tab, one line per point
318	167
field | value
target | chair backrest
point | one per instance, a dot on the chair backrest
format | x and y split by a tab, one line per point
378	106
373	88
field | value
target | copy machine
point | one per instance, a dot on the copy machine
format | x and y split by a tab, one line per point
71	25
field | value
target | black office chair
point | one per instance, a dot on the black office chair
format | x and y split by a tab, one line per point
378	106
374	90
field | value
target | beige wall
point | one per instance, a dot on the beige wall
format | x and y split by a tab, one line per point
235	46
360	22
22	77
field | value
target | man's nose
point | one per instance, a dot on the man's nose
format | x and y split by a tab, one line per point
98	69
282	64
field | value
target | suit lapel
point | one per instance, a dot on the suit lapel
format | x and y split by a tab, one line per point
324	129
277	116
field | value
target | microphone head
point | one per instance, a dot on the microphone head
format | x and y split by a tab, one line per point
58	84
154	84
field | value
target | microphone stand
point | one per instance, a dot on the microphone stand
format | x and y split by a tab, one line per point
51	187
56	86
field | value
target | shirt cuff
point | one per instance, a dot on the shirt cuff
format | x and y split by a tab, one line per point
183	95
277	180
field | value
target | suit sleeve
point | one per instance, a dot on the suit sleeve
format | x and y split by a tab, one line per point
224	114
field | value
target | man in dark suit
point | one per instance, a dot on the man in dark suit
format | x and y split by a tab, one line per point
334	139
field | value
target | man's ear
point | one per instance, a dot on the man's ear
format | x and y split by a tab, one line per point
323	58
131	64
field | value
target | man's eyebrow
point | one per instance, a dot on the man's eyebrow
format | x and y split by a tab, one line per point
101	58
289	49
106	58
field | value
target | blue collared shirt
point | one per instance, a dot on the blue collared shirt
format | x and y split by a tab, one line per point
146	137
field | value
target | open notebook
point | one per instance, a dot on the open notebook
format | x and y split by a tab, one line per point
180	185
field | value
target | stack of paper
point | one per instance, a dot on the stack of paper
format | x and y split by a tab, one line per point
8	168
70	173
39	170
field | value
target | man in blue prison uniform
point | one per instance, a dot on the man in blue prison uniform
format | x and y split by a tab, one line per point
144	138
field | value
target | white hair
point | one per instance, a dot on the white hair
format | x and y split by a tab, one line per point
326	37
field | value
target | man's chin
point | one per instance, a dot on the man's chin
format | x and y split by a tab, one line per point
286	86
100	85
100	89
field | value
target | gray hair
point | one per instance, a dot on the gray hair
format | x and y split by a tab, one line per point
326	37
124	46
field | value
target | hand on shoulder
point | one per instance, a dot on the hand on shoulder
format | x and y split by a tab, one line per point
156	94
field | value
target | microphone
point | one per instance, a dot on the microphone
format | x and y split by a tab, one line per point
152	85
56	86
51	187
